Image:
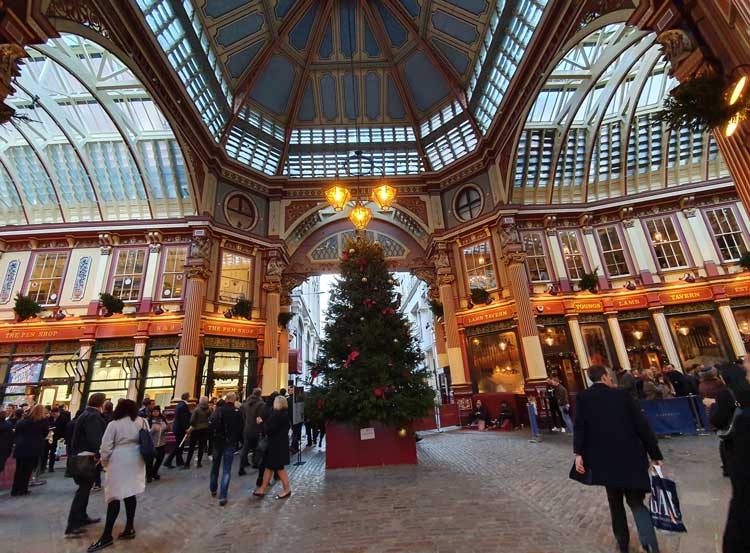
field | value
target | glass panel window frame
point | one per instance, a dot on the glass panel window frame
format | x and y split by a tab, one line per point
537	256
126	280
727	230
172	273
468	203
479	265
665	239
46	276
614	251
232	288
574	255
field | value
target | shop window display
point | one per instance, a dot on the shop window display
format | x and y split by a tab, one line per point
559	357
742	317
496	363
38	377
641	343
161	366
597	346
698	339
111	373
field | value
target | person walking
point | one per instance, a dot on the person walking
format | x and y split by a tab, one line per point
6	440
159	428
125	470
59	420
276	429
563	401
226	424
31	443
613	442
84	447
180	425
737	457
40	468
251	409
198	432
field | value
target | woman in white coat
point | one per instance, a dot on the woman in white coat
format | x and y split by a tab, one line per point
125	475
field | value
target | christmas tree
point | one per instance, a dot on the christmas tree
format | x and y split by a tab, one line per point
370	362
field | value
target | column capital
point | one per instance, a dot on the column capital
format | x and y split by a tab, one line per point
445	279
272	287
198	271
514	258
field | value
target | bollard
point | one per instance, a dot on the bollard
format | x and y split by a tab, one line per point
536	437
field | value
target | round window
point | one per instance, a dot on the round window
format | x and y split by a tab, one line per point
469	203
240	211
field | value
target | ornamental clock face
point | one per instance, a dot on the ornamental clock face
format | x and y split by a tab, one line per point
240	211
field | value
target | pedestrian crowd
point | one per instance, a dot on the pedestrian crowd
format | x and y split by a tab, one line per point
128	446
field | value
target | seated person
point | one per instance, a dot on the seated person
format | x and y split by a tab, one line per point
479	416
505	414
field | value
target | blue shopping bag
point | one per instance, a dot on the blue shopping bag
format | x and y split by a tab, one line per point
665	505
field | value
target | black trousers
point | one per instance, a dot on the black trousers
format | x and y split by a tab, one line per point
249	443
52	455
78	515
199	438
176	452
24	468
641	515
737	531
156	461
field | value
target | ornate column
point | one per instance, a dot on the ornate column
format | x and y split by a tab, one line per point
445	280
139	361
578	344
197	273
272	379
665	336
82	366
514	260
154	238
730	323
620	347
99	284
288	284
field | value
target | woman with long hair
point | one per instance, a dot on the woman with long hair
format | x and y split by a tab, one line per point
125	470
31	436
159	428
276	429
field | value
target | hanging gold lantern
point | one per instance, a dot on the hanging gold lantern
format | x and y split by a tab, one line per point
338	196
383	196
360	216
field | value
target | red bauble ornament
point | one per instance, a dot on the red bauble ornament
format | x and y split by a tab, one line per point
345	257
320	403
378	392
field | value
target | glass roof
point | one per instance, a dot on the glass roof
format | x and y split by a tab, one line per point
279	83
592	132
87	142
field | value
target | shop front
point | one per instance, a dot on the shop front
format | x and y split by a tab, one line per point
557	348
698	333
495	358
159	370
642	342
113	369
229	365
741	311
38	372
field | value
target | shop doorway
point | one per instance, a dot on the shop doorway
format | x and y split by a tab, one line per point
224	371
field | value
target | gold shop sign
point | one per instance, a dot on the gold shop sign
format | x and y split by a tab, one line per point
737	289
630	302
686	296
586	306
486	316
230	329
40	334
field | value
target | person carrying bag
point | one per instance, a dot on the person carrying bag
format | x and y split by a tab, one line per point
665	504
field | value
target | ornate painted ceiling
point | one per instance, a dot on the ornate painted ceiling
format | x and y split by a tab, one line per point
282	84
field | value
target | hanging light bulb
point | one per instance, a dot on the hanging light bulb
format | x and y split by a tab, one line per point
738	89
550	341
383	196
658	237
683	330
338	196
638	334
503	345
360	216
732	125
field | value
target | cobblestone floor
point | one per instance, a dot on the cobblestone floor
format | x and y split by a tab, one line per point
472	492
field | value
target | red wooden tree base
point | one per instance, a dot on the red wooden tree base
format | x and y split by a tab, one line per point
345	447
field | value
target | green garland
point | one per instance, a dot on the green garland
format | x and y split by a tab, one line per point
26	308
700	105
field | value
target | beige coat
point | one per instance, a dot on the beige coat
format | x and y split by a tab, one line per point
121	458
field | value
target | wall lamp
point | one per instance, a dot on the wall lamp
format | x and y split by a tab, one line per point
630	285
687	277
552	290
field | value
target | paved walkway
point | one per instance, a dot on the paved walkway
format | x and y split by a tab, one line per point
472	492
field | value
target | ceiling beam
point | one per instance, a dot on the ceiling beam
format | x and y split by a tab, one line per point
254	70
454	84
380	36
316	37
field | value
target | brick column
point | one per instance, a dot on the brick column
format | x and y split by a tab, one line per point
730	323
514	260
197	273
665	336
620	347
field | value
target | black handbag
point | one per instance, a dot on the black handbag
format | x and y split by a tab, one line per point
82	467
259	452
726	434
146	443
586	478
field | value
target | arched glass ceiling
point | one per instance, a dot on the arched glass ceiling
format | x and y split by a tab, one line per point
281	84
592	132
87	142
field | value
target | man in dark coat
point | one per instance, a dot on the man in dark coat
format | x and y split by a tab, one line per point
679	382
226	425
180	424
86	442
59	420
251	409
613	442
